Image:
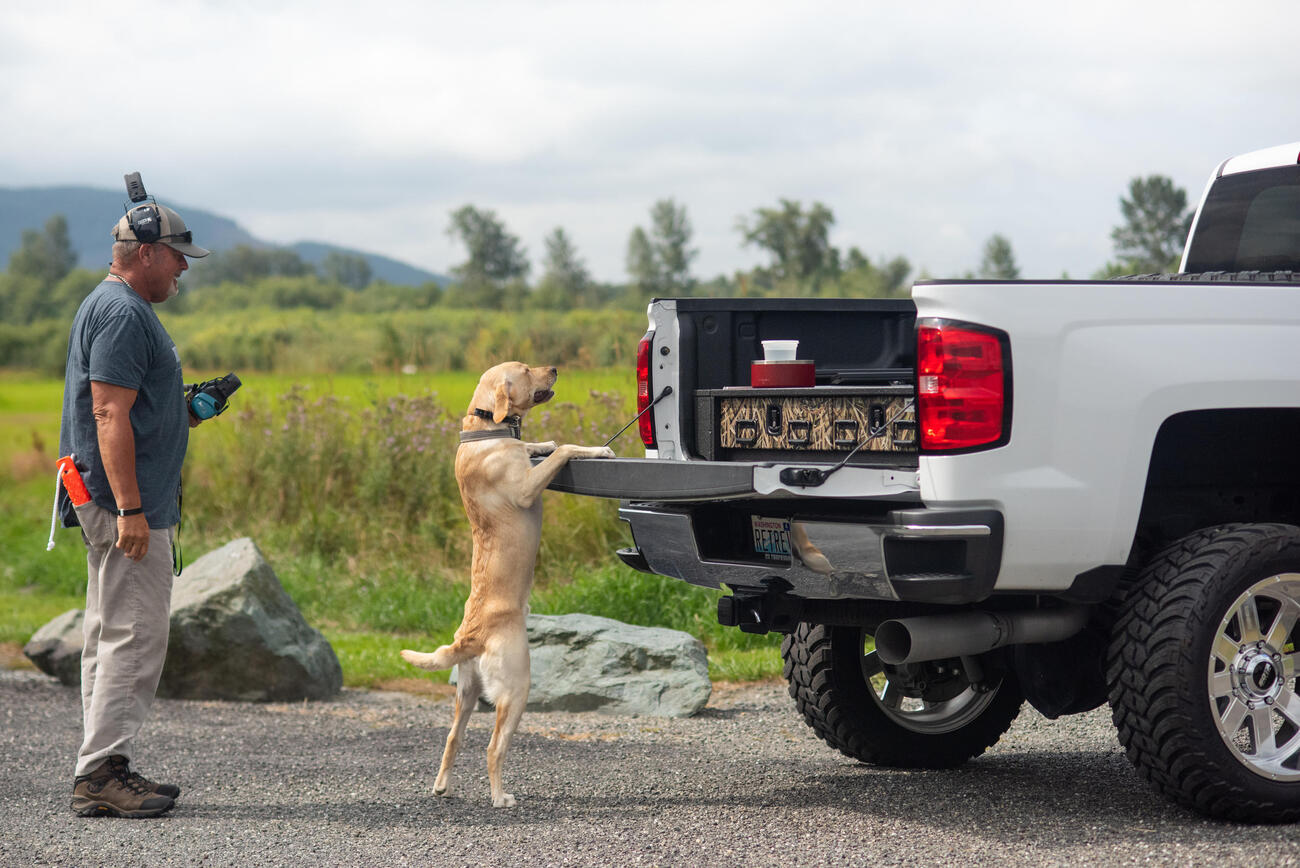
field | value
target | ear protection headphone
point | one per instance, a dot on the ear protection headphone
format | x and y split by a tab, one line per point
145	220
146	223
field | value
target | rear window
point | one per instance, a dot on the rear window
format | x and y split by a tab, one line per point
1250	222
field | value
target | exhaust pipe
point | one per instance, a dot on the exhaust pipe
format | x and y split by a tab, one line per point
966	634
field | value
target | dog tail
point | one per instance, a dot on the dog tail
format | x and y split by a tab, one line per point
444	658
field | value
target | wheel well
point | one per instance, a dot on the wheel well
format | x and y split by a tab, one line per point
1212	467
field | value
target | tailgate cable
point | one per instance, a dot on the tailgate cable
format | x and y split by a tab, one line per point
812	476
668	390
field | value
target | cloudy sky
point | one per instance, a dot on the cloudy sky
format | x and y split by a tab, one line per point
926	127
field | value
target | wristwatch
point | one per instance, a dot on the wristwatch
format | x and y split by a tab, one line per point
123	513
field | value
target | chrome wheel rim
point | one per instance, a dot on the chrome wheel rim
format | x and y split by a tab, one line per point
914	713
1252	678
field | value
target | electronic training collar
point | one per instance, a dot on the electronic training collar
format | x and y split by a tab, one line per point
512	431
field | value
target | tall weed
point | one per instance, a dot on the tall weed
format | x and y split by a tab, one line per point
374	485
338	341
351	495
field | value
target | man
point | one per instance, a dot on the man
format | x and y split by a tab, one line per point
125	418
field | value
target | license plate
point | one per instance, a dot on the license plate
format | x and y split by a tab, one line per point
771	538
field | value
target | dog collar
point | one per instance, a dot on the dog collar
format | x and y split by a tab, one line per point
513	431
512	421
494	434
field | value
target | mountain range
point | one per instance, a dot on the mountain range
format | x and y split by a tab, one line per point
91	214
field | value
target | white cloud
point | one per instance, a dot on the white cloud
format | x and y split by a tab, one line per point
926	128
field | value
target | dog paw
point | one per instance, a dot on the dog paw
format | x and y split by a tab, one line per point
603	452
541	448
505	800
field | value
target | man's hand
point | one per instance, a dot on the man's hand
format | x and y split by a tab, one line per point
133	536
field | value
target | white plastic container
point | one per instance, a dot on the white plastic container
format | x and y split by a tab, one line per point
780	351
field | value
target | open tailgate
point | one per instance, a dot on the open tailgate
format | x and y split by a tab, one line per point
654	479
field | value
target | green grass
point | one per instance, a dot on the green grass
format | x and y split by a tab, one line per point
22	613
370	542
371	660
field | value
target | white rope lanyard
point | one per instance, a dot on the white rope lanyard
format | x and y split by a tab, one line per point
54	512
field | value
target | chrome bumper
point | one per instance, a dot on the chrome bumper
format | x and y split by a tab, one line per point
895	559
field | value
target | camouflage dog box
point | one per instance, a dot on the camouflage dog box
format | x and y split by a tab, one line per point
820	419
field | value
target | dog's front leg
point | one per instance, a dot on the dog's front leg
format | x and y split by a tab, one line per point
535	449
540	476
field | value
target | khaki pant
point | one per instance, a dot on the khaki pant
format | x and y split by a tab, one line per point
128	612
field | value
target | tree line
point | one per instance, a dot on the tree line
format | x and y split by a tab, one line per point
42	282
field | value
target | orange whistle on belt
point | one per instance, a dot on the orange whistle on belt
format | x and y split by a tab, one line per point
71	479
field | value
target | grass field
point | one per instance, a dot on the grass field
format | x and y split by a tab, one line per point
389	569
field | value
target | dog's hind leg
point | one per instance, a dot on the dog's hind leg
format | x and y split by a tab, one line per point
507	674
468	687
509	710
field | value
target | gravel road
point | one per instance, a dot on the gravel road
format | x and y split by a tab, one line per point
348	783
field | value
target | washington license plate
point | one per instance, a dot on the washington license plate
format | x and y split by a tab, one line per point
771	538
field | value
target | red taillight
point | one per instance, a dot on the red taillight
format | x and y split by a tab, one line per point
961	387
647	422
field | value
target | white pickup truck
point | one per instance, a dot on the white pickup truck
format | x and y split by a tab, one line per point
1066	492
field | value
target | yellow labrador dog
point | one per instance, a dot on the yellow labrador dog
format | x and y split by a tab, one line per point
502	493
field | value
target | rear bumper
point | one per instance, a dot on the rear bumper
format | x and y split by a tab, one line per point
860	533
915	555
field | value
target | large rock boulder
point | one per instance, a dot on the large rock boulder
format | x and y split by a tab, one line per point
56	647
235	634
588	663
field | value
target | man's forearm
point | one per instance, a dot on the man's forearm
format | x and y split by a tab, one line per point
117	452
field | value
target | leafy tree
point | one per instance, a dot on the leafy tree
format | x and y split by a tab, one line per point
641	266
307	291
798	242
1156	222
25	299
45	256
672	233
856	260
494	254
999	261
659	261
566	282
346	269
862	278
42	281
381	297
245	264
1112	270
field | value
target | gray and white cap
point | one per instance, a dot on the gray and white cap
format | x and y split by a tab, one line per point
171	231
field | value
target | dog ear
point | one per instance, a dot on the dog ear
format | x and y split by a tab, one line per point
502	407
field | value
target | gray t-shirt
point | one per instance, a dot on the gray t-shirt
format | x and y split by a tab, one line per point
116	338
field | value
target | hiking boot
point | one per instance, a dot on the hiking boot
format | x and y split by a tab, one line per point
171	791
112	790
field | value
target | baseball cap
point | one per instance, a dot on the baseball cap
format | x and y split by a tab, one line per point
172	231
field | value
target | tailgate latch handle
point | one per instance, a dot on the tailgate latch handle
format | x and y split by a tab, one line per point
805	477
